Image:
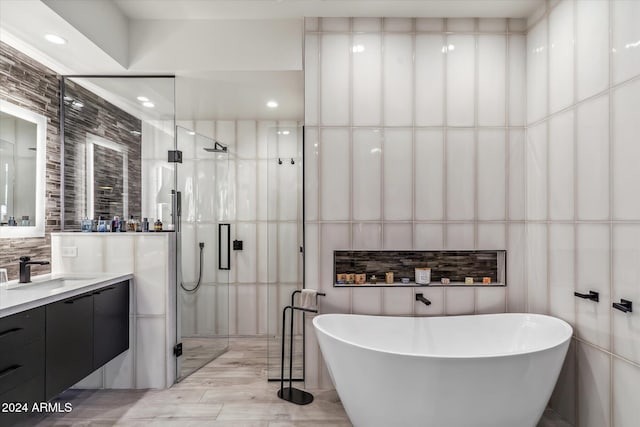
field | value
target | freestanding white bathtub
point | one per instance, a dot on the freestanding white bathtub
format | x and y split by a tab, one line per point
493	370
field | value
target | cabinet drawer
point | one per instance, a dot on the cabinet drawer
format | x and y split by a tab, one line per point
22	328
110	323
20	364
30	392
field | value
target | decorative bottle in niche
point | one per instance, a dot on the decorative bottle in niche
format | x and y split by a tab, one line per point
85	225
102	224
12	222
145	224
157	226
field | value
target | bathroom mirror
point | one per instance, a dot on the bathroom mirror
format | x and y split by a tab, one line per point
23	136
107	178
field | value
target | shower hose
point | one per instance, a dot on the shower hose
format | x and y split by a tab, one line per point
195	288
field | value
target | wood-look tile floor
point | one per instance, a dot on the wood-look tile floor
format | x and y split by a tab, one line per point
229	391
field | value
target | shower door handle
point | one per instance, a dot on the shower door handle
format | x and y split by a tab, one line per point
224	246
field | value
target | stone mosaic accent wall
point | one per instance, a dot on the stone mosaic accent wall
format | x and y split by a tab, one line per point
456	265
100	118
31	85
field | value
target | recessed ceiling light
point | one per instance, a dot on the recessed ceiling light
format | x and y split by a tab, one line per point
149	104
135	132
190	132
77	104
55	39
143	99
272	104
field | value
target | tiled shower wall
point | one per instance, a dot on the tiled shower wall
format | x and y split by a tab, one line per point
261	199
414	140
583	213
31	85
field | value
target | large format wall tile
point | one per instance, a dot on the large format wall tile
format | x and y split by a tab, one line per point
593	319
429	75
626	39
460	54
561	175
626	151
398	174
592	47
537	72
593	159
491	78
561	45
626	271
367	79
397	80
594	405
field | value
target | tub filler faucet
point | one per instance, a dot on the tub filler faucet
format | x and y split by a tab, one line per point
421	298
25	268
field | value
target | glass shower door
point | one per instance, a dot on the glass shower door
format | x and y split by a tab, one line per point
203	251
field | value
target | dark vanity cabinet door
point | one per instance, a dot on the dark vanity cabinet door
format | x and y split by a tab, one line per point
69	343
21	362
110	322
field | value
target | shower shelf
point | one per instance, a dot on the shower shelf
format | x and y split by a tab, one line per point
455	265
415	285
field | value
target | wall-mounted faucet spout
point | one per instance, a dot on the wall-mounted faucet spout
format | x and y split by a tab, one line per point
421	298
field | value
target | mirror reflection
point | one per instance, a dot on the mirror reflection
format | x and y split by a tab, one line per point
17	165
22	152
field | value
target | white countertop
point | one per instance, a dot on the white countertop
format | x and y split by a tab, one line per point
15	298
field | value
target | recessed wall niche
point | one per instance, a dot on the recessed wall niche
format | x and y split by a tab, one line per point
461	268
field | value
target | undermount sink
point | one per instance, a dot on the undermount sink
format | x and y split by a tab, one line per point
52	284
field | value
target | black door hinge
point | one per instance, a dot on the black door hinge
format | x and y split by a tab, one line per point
177	350
174	156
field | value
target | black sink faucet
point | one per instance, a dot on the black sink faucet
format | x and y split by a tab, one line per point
25	268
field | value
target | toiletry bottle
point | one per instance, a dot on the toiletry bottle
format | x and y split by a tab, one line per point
12	222
145	224
157	226
115	225
102	224
137	225
25	221
131	224
85	225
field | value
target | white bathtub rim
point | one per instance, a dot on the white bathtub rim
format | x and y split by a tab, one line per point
568	328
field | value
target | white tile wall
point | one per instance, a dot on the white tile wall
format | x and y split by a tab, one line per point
626	34
398	79
412	153
537	72
591	186
147	363
625	172
561	44
561	160
594	377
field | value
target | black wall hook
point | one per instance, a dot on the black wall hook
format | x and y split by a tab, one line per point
279	161
592	295
624	305
292	161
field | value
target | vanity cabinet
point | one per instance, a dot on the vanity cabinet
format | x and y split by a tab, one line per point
83	333
69	353
110	323
21	361
46	350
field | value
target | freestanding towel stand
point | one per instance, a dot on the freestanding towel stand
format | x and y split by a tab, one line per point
294	395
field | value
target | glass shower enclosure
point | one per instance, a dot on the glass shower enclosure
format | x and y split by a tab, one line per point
204	239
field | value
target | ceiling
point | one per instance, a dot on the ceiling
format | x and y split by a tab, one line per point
229	56
288	9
